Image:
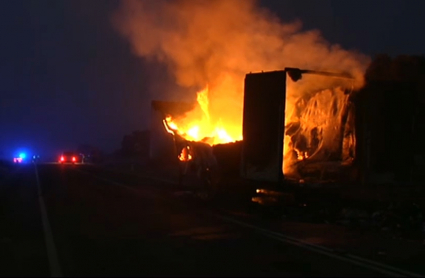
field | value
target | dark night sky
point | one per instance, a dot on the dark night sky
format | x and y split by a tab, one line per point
67	77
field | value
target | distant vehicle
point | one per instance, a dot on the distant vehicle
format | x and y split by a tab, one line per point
70	157
20	159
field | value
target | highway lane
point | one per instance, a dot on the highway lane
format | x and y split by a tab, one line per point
109	225
22	248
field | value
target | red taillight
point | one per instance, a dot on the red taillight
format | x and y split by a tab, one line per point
73	158
62	158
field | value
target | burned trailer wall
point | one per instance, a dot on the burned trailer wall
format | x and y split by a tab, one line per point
162	147
263	126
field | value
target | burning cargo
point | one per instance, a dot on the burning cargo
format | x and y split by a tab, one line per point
296	131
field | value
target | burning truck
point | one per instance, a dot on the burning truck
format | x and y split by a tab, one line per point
302	126
284	129
284	135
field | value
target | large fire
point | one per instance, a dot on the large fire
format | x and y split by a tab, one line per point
200	46
319	128
199	126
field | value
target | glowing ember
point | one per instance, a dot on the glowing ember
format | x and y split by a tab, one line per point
185	154
199	126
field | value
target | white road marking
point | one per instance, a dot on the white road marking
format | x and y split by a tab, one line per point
55	269
368	264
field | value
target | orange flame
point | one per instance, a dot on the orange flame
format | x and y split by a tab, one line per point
196	127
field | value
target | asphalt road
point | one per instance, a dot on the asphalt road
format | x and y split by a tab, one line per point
65	220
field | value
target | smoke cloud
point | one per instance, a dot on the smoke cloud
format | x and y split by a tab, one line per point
217	42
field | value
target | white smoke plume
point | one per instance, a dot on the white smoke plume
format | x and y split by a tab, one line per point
217	42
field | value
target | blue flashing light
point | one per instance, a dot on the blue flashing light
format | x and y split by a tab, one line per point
22	155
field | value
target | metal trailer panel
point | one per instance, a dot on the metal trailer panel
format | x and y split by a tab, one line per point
263	126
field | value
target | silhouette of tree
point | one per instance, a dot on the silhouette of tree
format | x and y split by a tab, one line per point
392	103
